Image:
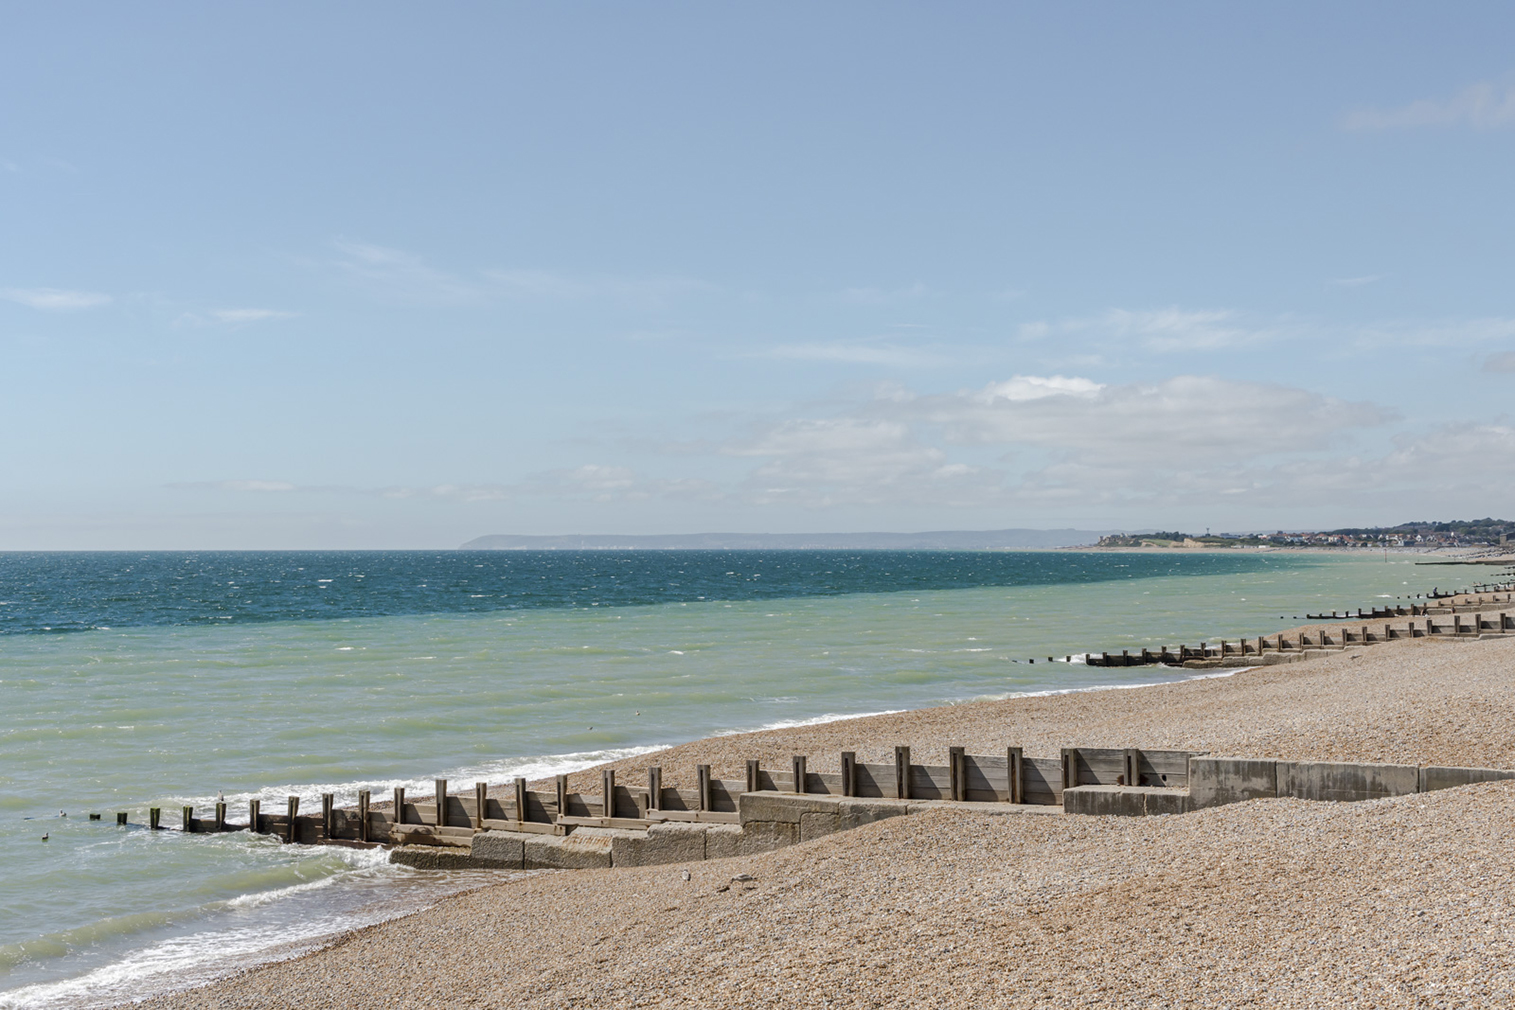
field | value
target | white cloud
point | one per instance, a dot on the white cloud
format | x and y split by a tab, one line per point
54	299
1020	388
1184	419
1483	106
1356	282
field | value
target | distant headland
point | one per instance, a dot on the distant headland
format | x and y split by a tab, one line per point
961	540
1472	533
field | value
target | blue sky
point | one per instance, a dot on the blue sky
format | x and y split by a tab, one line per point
383	275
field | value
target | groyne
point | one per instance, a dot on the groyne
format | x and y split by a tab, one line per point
645	821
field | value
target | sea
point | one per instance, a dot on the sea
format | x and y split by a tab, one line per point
137	680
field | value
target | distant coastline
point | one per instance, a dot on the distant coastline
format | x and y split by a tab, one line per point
960	540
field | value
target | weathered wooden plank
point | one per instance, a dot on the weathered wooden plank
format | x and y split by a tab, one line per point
1099	766
655	788
985	780
1164	768
849	768
874	781
528	827
694	816
1043	780
930	782
605	822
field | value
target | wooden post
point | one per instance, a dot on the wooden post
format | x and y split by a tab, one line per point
520	798
441	785
655	787
365	800
254	810
294	813
562	786
1017	776
480	804
328	818
957	772
754	776
1133	767
153	816
902	772
1070	767
797	768
849	773
702	785
121	819
399	804
189	820
221	815
607	792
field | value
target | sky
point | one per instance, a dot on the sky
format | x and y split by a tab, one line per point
384	275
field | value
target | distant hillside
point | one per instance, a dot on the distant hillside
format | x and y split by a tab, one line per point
960	540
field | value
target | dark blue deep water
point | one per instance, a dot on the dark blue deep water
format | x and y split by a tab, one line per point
62	592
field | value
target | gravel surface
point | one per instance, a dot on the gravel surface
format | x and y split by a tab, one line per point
1277	903
1405	902
1421	701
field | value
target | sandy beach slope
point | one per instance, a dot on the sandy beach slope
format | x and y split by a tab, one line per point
1395	903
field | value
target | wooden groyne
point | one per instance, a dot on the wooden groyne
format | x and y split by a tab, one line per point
1470	618
768	810
649	821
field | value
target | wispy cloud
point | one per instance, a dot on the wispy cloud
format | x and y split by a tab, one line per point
55	299
233	317
856	353
253	486
402	275
547	284
1484	106
1356	282
1163	330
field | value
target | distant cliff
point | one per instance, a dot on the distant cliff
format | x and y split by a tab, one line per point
958	540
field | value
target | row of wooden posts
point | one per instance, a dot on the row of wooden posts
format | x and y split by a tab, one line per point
1011	778
1479	624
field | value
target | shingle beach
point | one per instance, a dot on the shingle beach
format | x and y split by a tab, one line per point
1403	902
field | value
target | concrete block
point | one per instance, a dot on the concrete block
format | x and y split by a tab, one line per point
1214	781
818	824
1435	777
723	841
1345	782
782	806
1165	802
765	836
855	813
584	849
432	857
498	850
1104	801
662	843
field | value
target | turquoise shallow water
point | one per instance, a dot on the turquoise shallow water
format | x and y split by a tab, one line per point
171	712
